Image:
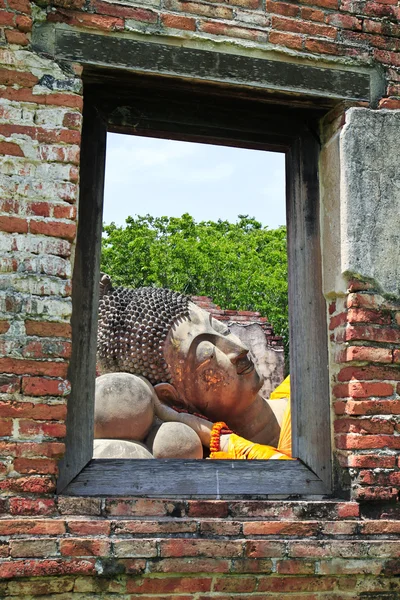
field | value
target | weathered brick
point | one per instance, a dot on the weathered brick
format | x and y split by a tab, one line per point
88	527
49	329
53	228
178	22
84	547
203	547
28	428
41	568
281	528
33	548
168	585
40	386
35	526
28	506
360	389
36	465
135	548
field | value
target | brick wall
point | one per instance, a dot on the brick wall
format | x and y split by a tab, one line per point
162	549
242	317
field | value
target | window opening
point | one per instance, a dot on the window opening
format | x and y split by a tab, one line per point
174	218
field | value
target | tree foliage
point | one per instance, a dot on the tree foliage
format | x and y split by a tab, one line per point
240	265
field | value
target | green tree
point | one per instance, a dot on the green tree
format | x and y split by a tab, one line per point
240	265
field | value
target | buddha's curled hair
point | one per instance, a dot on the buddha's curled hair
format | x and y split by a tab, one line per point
133	326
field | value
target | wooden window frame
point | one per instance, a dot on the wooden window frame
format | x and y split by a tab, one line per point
244	112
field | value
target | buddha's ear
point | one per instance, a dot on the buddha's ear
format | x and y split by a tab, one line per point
167	394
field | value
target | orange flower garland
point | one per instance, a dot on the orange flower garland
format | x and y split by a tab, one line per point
218	429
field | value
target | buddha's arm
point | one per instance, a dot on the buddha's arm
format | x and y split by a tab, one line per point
201	426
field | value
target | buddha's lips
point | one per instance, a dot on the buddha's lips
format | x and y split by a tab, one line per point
244	366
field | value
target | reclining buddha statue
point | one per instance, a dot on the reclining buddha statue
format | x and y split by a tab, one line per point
193	372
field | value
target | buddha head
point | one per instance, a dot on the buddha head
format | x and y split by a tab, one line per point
191	358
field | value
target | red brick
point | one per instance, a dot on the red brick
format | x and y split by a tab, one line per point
188	565
47	349
220	528
49	329
348	510
355	441
42	449
100	22
13	225
323	47
213	548
40	386
33	367
41	568
126	12
168	585
361	389
375	493
235	584
16	37
42	135
23	6
31	526
178	22
295	566
28	427
72	120
9	385
42	506
280	528
7	18
209	509
365	353
365	426
335	528
155	527
371	461
64	211
88	527
29	485
286	39
392	103
369	372
84	547
230	30
56	99
6	427
24	23
282	8
380	527
337	320
66	231
36	465
371	333
284	584
373	407
359	315
10	149
396	356
299	26
264	549
4	326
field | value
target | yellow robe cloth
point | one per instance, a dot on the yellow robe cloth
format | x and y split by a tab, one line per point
241	449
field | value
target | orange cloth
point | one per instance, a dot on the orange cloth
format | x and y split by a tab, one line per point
241	449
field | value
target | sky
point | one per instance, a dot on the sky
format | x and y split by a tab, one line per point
168	178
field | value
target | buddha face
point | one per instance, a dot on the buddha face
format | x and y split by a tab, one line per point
210	367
